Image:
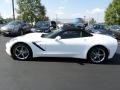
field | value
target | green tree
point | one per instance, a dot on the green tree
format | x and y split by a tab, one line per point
30	10
112	14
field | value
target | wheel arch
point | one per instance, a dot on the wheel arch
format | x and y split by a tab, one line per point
106	49
21	43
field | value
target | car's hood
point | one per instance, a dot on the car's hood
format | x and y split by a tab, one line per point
7	27
29	37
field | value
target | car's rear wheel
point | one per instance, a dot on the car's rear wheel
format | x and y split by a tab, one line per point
21	51
97	55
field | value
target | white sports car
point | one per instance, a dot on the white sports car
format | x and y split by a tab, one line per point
73	43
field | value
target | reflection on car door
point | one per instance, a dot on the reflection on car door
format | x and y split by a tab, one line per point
67	46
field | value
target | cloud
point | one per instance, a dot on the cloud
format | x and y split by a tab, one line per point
61	7
60	11
76	15
96	13
64	1
8	1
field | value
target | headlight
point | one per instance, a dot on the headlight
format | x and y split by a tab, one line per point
33	30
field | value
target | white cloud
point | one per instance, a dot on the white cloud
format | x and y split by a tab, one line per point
61	8
6	15
57	13
8	1
96	13
60	13
63	2
76	15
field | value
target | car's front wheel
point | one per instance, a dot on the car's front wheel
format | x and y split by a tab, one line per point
97	55
21	51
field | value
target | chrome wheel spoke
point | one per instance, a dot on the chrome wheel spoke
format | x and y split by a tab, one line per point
93	53
23	55
21	52
95	57
101	55
99	58
17	50
98	55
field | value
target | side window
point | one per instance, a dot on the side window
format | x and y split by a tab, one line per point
96	26
85	34
102	27
23	24
70	34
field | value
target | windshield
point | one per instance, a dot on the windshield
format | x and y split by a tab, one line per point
42	24
115	27
13	23
52	34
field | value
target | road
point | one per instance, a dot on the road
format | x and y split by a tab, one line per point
57	73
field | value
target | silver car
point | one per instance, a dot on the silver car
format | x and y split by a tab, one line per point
116	31
99	28
15	28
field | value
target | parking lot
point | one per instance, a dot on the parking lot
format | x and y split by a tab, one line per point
57	73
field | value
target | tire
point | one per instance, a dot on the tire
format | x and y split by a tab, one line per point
21	51
97	55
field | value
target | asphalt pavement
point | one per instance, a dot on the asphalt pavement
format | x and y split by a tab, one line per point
57	73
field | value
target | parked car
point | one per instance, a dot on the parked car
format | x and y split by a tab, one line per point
116	31
72	25
72	43
68	25
41	26
99	28
15	28
2	23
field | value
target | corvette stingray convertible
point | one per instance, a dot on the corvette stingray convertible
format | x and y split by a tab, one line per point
70	42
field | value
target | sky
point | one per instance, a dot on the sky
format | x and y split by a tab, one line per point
65	9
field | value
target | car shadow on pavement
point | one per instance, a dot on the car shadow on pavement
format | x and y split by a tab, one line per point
60	60
114	61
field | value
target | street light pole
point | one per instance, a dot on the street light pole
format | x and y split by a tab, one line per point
13	9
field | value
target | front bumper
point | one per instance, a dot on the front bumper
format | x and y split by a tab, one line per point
5	32
8	48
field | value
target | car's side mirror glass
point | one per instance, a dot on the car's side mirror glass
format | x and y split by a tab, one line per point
58	38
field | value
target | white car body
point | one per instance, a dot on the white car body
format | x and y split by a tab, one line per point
55	47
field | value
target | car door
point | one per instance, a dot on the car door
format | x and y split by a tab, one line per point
70	44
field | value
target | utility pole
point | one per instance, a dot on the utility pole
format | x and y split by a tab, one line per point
13	9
